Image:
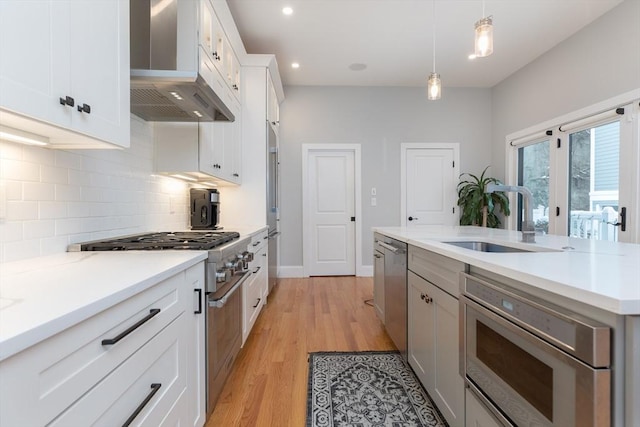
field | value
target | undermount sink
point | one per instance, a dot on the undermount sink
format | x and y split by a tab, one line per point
486	247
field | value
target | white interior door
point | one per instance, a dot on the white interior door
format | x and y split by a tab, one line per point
429	184
331	205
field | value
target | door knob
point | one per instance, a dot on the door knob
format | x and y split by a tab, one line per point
412	218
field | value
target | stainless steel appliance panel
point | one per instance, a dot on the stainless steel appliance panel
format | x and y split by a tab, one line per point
224	335
273	202
519	359
395	291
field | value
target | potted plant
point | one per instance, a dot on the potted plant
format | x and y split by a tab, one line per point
478	207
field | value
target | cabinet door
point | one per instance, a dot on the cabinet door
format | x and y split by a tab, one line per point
211	155
433	346
34	64
99	60
196	351
447	383
378	284
420	330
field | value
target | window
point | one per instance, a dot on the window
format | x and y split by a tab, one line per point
533	173
594	164
581	173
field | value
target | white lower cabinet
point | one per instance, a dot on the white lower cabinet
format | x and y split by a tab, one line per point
378	284
433	344
142	390
477	415
101	370
254	290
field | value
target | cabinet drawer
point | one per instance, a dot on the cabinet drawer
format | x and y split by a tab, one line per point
52	375
437	269
161	361
258	241
252	301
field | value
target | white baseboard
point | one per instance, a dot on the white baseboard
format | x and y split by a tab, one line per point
290	271
293	271
365	271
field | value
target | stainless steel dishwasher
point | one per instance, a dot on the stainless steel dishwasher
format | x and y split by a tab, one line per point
395	291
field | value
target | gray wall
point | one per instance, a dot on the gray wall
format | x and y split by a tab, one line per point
380	119
597	63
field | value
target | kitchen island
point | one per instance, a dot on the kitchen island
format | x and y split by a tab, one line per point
591	279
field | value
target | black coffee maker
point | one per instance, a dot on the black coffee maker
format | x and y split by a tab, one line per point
205	208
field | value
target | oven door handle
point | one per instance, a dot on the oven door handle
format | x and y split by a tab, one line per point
220	302
495	413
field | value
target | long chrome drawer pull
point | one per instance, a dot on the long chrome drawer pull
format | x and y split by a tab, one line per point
123	334
154	389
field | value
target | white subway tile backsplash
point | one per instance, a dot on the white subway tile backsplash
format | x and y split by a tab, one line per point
68	159
38	191
19	170
22	210
11	231
53	245
39	229
57	197
41	156
67	193
54	175
13	189
67	226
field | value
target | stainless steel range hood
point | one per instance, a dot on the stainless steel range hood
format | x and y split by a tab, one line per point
165	82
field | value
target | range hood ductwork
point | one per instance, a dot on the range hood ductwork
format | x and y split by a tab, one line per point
165	83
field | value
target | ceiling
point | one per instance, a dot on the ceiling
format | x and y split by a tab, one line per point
394	38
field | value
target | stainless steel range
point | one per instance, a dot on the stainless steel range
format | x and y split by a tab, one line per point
227	268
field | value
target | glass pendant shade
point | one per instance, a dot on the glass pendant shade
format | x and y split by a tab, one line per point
434	87
484	37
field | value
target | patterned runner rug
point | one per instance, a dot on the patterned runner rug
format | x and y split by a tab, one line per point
366	389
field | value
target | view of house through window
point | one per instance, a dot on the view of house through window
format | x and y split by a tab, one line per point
594	163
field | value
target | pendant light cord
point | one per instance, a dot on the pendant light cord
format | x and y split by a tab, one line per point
434	36
483	15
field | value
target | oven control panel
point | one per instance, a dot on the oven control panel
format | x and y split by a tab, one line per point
528	314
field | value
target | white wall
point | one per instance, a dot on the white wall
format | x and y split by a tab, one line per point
597	63
380	119
56	197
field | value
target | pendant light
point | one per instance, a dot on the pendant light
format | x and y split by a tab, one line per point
484	35
434	86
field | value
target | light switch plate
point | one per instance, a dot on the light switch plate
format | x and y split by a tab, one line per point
373	191
374	201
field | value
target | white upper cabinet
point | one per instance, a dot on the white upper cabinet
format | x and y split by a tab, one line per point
218	49
208	151
273	106
64	71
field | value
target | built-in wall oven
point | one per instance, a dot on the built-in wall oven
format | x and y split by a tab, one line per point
532	363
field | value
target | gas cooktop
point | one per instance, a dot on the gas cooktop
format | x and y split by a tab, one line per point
200	240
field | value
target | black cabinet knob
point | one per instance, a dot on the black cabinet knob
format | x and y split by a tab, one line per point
84	108
412	218
67	100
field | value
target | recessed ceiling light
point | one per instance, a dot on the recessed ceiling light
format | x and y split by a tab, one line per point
287	10
356	66
295	65
472	56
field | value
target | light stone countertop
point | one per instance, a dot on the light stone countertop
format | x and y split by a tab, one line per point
605	275
43	296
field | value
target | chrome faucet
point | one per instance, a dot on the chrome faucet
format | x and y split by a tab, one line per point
528	231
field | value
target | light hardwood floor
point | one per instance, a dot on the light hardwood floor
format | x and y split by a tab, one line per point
268	384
